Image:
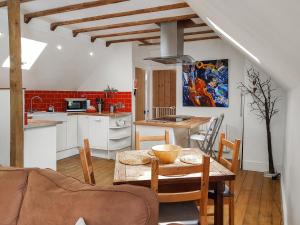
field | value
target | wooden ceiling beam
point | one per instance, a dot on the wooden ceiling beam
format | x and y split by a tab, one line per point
134	23
108	43
144	42
69	8
4	3
186	40
54	25
93	38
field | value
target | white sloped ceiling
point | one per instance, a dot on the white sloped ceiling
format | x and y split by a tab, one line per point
269	29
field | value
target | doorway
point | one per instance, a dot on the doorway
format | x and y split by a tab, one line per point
164	93
139	94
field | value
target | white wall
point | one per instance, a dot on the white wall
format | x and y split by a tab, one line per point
255	137
291	165
265	28
114	68
255	145
72	68
210	50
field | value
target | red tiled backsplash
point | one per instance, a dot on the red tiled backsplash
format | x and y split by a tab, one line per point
57	99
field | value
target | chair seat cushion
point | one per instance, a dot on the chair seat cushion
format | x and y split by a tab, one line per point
198	137
185	213
226	193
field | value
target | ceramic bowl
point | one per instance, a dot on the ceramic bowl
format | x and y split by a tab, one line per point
166	153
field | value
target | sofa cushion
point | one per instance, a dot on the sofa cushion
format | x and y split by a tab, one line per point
54	199
12	187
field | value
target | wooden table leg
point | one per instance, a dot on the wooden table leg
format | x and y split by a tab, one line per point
219	204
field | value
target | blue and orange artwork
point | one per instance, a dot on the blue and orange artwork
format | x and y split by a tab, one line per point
205	83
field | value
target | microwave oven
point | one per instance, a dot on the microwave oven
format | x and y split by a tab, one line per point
76	104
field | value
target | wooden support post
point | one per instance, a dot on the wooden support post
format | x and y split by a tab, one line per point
16	92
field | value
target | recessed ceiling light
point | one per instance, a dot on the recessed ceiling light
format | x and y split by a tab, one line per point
59	47
1	34
91	53
232	40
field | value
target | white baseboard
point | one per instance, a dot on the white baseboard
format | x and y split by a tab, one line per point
259	166
255	166
283	203
67	153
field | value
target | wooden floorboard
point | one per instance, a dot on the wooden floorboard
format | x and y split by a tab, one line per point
257	199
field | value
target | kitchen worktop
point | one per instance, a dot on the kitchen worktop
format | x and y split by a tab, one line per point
32	123
188	124
116	114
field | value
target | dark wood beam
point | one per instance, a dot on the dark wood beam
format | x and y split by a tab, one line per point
16	92
4	3
145	42
108	43
54	25
69	8
93	38
134	23
196	25
186	40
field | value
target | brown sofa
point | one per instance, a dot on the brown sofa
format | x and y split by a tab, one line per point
45	197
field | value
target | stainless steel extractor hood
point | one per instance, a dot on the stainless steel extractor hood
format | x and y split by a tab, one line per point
172	45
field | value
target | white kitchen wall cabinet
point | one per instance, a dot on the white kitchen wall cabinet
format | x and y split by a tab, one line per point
71	128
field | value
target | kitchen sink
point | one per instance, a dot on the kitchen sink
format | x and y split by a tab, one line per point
51	116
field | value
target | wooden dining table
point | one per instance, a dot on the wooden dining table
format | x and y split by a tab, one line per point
141	175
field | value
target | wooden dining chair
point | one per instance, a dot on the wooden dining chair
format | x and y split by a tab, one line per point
139	139
182	206
86	163
232	165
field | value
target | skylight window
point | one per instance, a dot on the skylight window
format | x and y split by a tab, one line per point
232	40
31	51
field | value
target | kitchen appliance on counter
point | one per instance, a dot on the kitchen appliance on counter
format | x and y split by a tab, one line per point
77	104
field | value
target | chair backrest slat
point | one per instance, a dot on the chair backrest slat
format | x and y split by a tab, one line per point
139	139
200	195
180	197
86	163
234	147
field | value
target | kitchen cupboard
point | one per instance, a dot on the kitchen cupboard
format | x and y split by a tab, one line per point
61	136
83	129
71	127
98	132
105	133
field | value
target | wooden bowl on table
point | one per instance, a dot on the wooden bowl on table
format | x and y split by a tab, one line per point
166	154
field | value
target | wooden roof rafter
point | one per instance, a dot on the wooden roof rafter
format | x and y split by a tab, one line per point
142	39
134	23
186	40
69	8
4	3
93	38
54	25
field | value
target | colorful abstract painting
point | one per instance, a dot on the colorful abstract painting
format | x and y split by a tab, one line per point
205	83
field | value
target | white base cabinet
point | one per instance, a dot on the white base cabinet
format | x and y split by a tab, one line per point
98	132
103	134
